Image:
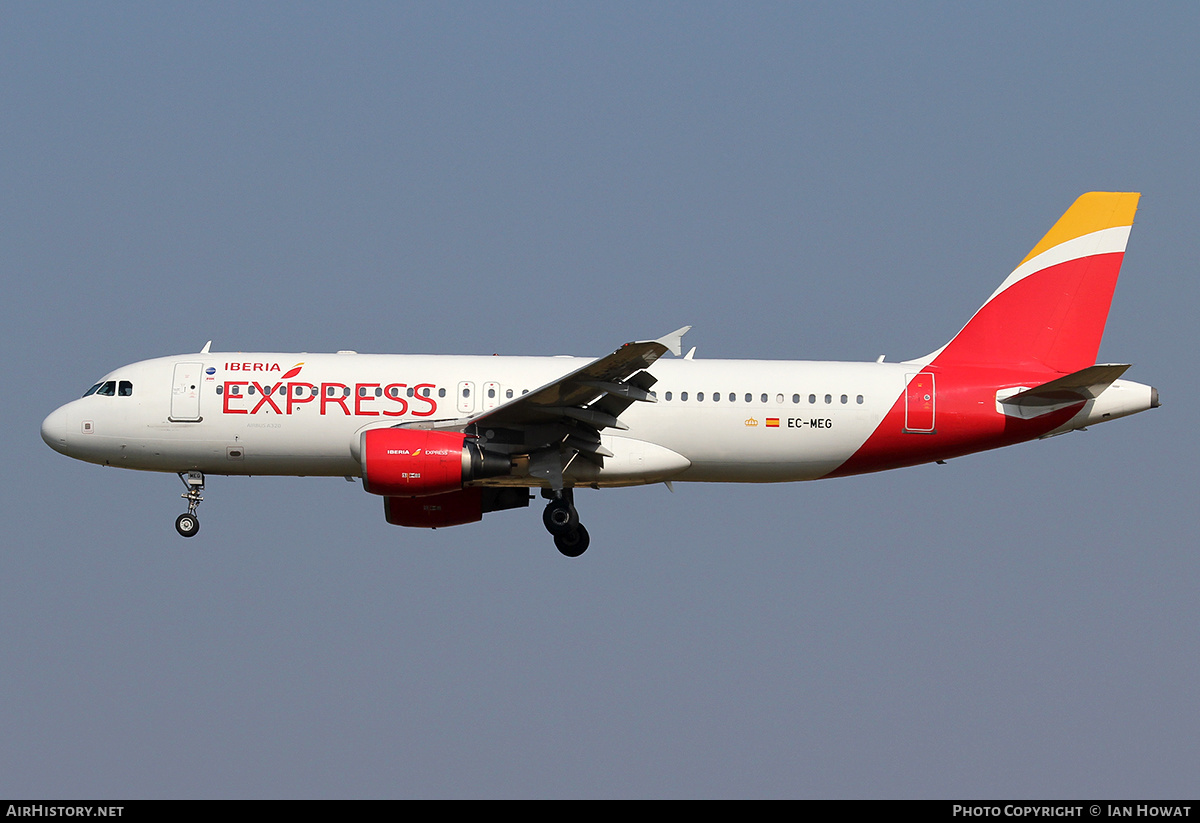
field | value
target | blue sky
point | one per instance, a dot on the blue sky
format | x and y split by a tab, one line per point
797	181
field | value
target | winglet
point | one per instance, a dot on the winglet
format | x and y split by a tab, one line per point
674	340
206	347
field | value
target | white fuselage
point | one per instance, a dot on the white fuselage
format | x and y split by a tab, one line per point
715	420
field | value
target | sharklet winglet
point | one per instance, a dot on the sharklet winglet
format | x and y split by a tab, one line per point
674	340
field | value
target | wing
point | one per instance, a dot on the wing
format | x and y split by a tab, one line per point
596	393
562	420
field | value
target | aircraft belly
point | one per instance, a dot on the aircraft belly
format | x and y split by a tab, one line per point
738	472
211	456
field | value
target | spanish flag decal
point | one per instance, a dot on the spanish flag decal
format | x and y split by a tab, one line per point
772	422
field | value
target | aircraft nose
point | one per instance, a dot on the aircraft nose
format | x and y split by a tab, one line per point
54	429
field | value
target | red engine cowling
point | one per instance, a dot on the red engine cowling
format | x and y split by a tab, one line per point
436	510
467	505
420	463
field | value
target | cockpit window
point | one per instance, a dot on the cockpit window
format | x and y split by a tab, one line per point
107	388
125	389
92	390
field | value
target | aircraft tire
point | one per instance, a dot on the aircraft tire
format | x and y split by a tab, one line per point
574	542
187	525
560	517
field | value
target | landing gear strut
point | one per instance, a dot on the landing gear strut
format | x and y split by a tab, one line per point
562	520
188	524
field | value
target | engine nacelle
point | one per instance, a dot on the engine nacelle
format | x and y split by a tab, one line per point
420	463
467	505
435	510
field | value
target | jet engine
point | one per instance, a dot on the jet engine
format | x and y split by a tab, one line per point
452	508
420	463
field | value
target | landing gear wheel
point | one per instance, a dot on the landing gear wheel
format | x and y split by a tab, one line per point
560	517
573	542
187	525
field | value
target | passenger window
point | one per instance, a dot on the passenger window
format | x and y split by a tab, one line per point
779	399
667	395
795	398
219	390
732	397
844	398
250	389
442	392
812	398
764	398
508	393
411	391
749	397
491	393
699	397
683	396
716	396
829	398
860	400
425	393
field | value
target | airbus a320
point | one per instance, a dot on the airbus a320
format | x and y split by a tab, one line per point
444	440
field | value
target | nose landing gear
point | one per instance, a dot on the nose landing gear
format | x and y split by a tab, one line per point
562	521
188	524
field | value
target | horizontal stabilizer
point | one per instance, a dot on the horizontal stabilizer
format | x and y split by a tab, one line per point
1086	384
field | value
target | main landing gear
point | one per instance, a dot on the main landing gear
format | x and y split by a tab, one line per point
562	521
187	524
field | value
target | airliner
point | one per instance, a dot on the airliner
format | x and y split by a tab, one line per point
444	440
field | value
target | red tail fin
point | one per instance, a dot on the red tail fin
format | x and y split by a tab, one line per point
1050	312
